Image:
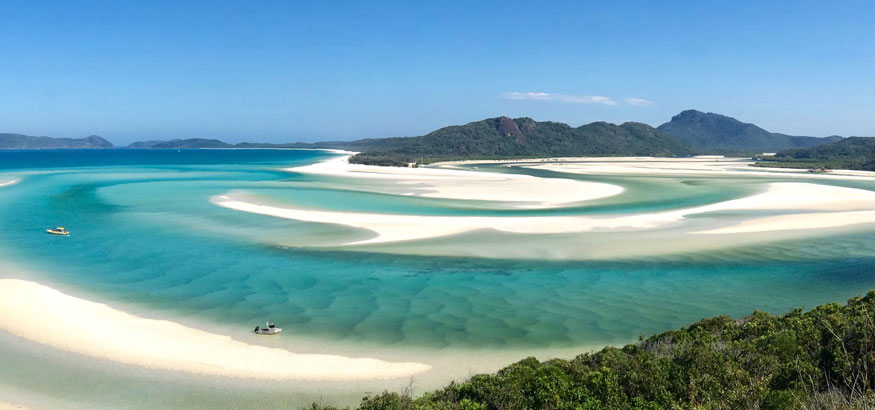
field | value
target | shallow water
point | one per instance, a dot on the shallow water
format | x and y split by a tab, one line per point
146	238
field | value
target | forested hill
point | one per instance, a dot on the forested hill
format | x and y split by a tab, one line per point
193	143
820	359
715	133
19	141
182	144
504	137
850	153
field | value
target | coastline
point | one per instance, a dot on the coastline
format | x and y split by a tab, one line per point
100	331
514	189
704	165
815	199
809	206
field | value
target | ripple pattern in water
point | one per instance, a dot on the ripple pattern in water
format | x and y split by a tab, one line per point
145	235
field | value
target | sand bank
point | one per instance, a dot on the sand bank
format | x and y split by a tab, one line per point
699	166
788	197
393	228
4	183
798	222
837	207
47	316
524	190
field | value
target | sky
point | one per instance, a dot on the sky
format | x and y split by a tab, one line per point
285	71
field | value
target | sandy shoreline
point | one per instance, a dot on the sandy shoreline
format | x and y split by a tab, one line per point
518	191
703	166
7	183
46	316
822	206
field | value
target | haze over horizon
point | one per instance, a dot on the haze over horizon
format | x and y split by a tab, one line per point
288	72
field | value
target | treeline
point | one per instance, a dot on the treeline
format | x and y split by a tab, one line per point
719	134
503	137
820	359
850	153
20	141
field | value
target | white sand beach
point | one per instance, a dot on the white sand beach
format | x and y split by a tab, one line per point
393	228
526	191
699	166
783	196
98	330
798	222
10	406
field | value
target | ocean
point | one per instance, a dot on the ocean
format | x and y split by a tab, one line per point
146	239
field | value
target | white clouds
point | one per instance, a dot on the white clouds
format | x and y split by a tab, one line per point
572	98
637	102
566	98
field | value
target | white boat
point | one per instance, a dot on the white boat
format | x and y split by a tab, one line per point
58	231
269	329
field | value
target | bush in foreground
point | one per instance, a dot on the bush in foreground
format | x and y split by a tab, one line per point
820	359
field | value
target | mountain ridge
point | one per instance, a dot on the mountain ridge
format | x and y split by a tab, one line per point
21	141
505	137
688	133
717	133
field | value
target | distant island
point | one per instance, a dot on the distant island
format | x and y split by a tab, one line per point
195	143
691	132
19	141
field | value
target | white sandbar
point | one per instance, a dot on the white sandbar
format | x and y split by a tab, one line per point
47	316
702	166
528	191
779	196
798	222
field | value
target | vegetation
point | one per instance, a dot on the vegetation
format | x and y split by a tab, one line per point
19	141
688	133
182	144
504	137
715	133
820	359
850	153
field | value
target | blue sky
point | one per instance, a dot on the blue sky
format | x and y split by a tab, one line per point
323	70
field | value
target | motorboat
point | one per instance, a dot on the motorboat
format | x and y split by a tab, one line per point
268	329
58	231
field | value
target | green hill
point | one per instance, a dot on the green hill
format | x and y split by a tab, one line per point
182	144
19	141
504	137
715	133
820	359
194	143
850	153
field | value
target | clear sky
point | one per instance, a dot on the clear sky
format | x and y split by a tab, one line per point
325	70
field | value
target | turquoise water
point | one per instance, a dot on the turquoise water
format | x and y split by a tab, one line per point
145	236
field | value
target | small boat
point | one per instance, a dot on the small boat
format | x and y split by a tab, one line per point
269	329
58	231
